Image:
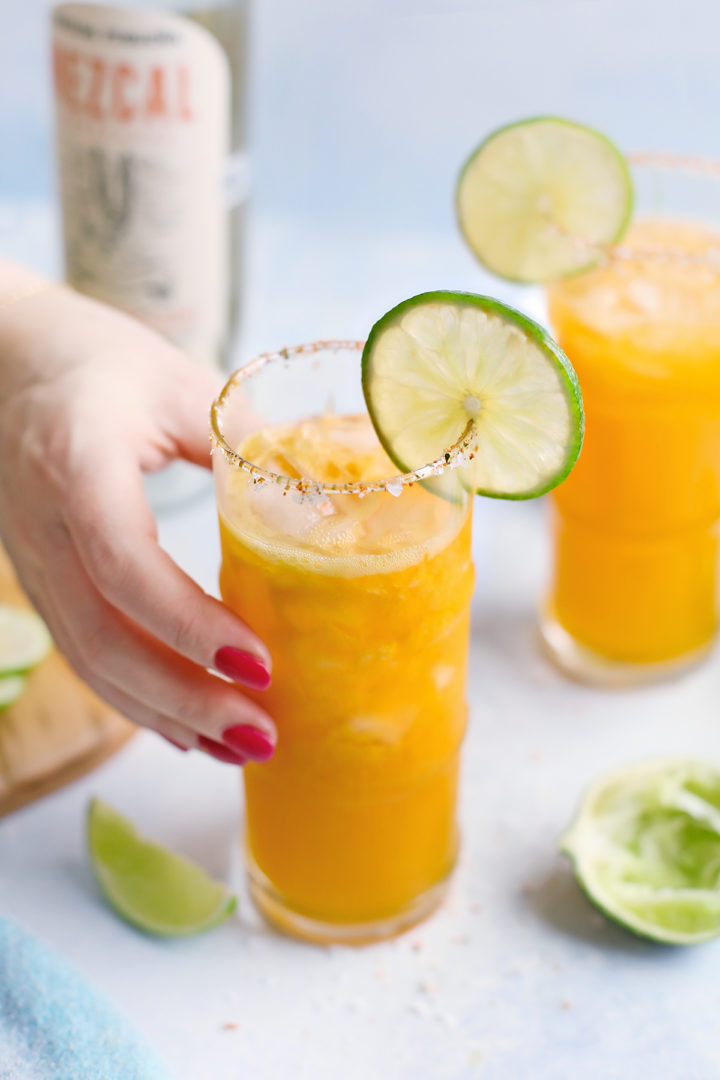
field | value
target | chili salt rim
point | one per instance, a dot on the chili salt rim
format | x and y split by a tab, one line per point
456	455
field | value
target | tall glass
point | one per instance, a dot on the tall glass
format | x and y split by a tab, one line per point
359	581
635	584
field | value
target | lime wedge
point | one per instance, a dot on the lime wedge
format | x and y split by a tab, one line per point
11	688
146	884
542	198
441	359
24	639
645	847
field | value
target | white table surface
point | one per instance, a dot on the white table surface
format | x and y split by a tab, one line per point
517	977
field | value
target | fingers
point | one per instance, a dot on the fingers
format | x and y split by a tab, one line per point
179	736
152	685
113	530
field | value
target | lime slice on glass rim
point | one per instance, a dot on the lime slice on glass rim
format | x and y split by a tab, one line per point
645	847
24	640
442	359
149	886
543	198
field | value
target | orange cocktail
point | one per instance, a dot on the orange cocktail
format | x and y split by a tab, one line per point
636	533
360	588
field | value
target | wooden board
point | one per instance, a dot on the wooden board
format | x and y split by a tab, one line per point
57	731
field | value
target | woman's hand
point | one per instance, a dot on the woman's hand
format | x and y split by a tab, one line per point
89	399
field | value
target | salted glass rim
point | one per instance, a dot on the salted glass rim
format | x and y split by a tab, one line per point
456	455
698	164
617	251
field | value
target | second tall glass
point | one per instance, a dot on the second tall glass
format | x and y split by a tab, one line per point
635	586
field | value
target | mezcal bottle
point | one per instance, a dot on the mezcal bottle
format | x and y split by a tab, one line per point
152	160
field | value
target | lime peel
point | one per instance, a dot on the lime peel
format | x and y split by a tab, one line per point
645	848
149	886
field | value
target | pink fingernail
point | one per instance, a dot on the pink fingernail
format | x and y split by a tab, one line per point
255	744
177	744
222	753
243	667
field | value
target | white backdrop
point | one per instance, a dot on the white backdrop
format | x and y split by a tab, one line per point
364	108
371	114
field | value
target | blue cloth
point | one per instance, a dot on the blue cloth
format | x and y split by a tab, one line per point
54	1025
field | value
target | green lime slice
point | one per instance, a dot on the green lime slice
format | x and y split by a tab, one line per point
645	847
441	359
146	884
11	688
24	640
542	198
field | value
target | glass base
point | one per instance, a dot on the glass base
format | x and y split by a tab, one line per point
277	912
584	664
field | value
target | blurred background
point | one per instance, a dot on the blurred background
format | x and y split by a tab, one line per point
361	113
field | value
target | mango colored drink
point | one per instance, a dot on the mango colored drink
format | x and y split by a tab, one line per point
635	576
363	604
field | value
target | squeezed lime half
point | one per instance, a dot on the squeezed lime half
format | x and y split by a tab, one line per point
645	847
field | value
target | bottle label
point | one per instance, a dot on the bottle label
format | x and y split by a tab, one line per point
143	129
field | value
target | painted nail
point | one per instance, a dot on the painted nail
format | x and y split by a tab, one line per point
177	744
255	744
243	667
222	753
